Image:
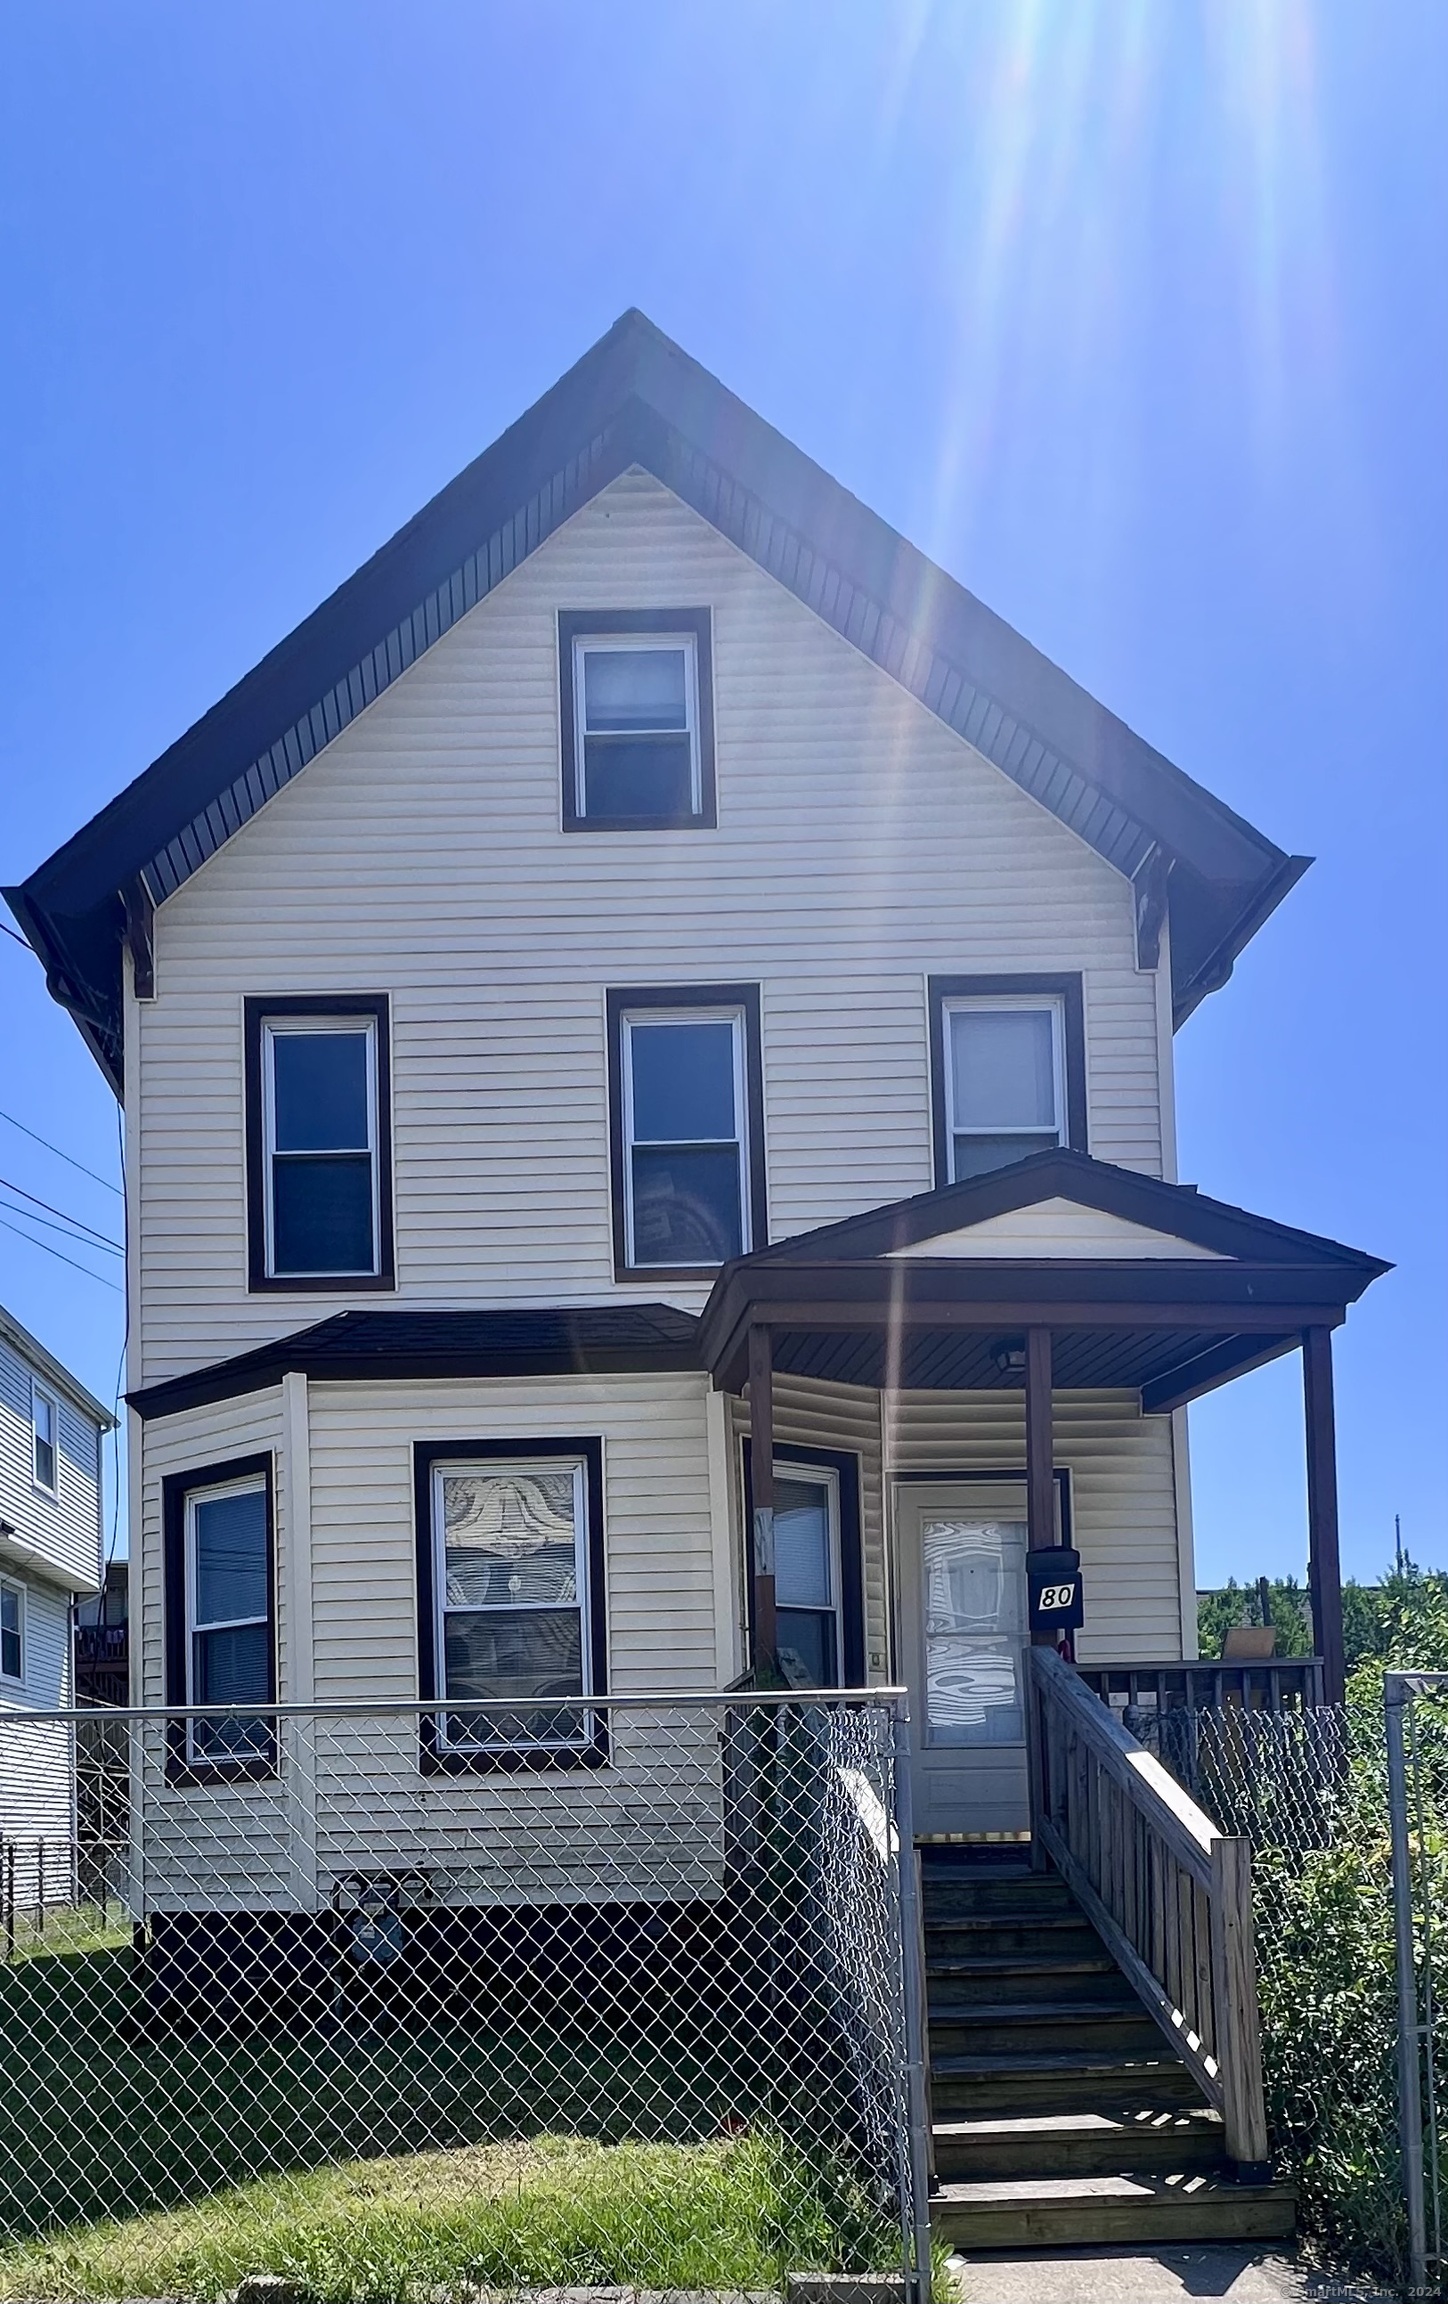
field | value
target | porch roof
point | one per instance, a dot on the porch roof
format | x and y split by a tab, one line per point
1145	1286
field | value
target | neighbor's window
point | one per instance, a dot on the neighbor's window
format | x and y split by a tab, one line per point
12	1632
687	1148
636	702
320	1188
1005	1086
807	1575
230	1633
512	1585
45	1421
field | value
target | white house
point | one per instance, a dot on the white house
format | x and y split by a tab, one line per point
645	1032
51	1548
646	901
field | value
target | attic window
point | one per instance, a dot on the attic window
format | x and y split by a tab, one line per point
636	700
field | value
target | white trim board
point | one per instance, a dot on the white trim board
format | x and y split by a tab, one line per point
1059	1227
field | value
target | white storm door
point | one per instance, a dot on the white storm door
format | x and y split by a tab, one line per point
962	1576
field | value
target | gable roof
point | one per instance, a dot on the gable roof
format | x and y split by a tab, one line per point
637	399
52	1371
1146	1203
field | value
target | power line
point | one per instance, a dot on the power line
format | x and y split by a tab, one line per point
113	1285
55	1148
103	1237
107	1247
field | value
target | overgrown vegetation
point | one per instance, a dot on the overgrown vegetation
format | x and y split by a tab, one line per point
554	2210
1403	1619
1323	1900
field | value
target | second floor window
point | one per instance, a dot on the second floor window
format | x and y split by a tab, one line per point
45	1418
1009	1072
319	1187
12	1632
688	1155
638	750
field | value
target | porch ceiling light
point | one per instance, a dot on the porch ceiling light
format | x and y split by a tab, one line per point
1009	1355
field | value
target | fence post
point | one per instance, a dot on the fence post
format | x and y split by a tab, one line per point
1397	1694
912	1976
1238	2019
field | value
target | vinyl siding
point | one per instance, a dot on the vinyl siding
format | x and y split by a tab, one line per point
861	846
1122	1495
1122	1491
55	1536
351	1796
36	1779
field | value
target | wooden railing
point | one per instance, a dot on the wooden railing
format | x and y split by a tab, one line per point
1265	1684
1169	1893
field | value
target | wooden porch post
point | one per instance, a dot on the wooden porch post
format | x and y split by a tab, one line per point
761	1436
1324	1571
1040	1448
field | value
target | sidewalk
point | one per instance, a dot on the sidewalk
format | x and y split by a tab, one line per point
1153	2276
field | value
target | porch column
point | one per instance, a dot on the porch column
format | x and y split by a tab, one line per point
761	1436
1324	1570
1040	1452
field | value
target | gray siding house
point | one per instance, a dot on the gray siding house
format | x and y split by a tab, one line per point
51	1547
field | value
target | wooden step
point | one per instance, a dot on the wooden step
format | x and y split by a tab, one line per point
980	1978
961	1935
1118	2028
1000	1897
1165	2142
993	2085
1096	2211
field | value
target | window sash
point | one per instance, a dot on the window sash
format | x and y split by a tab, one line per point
832	1612
255	1739
45	1439
1037	1004
12	1631
476	1736
274	1028
641	1019
647	643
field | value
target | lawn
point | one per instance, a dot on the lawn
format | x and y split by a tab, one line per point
385	2163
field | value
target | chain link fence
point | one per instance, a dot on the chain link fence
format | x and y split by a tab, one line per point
391	2001
1310	1788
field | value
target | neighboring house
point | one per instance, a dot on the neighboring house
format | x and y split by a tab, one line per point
102	1641
50	1559
645	1029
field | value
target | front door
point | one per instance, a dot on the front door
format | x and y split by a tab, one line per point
962	1575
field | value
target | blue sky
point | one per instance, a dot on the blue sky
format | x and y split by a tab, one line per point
1134	316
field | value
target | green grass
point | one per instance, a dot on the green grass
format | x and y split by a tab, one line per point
137	2160
556	2210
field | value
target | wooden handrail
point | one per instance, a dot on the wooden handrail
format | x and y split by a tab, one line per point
1168	1892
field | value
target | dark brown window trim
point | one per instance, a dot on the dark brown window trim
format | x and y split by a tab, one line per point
741	996
1067	989
256	1010
435	1758
181	1767
846	1468
577	623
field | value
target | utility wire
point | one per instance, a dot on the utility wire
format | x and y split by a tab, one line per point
67	1231
45	1244
103	1237
55	1148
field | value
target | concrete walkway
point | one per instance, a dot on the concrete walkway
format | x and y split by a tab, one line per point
1152	2276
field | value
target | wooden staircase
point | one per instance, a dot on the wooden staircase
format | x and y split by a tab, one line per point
1061	2115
